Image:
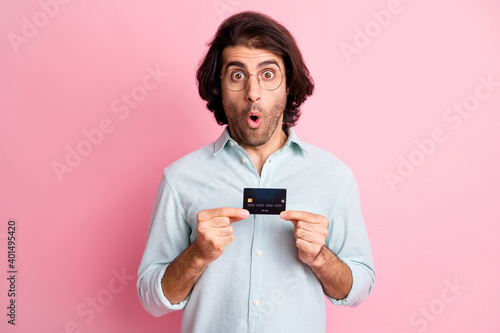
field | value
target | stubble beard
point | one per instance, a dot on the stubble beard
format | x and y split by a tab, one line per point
254	137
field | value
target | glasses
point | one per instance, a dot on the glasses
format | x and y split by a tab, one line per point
236	79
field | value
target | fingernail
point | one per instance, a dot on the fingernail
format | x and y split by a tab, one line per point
283	215
245	213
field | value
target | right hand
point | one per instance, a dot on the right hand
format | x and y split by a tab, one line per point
215	231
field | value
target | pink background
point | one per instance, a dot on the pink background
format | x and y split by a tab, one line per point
434	231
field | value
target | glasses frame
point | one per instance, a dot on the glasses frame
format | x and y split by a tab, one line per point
248	79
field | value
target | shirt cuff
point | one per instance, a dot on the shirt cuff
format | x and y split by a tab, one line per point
361	286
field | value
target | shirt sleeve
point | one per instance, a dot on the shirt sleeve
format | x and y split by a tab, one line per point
348	239
168	236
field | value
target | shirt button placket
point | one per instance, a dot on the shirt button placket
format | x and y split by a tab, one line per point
258	273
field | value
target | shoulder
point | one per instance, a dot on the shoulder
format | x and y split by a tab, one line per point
191	162
325	160
318	159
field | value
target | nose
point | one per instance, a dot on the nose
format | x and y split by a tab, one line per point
253	90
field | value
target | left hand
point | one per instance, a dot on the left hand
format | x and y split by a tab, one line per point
310	232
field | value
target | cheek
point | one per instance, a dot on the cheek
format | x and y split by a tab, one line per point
223	93
228	105
230	102
224	98
280	100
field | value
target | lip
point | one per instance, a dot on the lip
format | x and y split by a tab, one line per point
254	123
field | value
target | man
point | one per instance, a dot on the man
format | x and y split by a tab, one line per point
235	272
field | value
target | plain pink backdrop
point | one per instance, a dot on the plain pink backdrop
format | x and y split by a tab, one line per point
388	73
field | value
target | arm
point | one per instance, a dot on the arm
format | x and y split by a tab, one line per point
346	270
214	234
168	244
335	276
181	275
311	231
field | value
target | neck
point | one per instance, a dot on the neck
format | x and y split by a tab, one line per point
259	154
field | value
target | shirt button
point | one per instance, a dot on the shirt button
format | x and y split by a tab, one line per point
256	302
243	160
231	143
258	252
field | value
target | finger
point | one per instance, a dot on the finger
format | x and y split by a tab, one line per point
222	242
236	219
235	214
296	215
321	228
224	232
307	247
228	240
218	222
310	237
302	244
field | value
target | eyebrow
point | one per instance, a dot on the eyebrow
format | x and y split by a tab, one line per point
267	63
260	65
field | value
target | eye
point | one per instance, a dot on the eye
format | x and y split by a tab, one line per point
268	74
237	76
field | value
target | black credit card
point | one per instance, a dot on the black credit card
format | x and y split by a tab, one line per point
264	200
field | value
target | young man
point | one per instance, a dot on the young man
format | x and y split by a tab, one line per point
235	272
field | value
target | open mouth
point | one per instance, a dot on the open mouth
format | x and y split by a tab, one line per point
254	119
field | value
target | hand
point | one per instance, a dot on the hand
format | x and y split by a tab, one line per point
310	232
215	231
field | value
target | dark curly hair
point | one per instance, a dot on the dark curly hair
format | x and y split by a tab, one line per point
258	31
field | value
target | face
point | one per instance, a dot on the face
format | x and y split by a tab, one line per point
254	115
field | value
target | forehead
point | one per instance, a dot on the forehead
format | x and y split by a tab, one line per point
250	58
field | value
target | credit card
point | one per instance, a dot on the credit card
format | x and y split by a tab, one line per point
264	200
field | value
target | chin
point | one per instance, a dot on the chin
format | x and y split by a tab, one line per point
254	139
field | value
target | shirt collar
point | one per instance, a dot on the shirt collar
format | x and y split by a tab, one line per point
225	137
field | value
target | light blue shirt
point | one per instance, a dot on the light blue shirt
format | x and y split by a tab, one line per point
258	284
